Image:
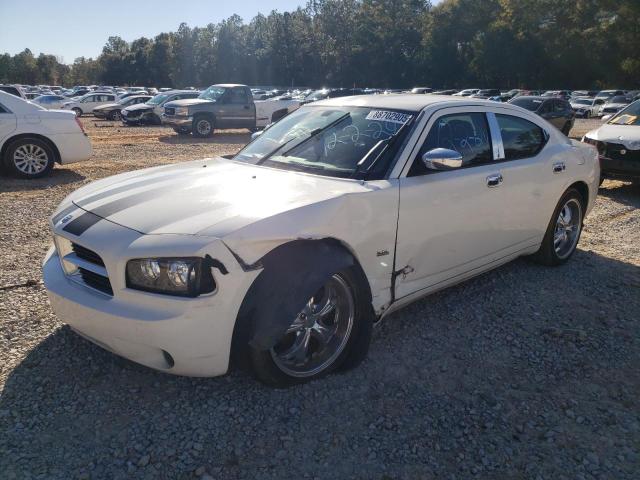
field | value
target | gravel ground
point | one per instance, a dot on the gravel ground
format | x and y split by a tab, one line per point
522	373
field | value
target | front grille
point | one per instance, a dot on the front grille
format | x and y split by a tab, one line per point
170	110
96	281
86	254
92	279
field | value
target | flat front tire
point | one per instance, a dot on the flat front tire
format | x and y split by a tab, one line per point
564	229
333	331
29	158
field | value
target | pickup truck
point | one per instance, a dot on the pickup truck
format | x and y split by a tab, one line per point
221	107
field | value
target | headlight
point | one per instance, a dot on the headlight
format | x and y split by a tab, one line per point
183	111
184	277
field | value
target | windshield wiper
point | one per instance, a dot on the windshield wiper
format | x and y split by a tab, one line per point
312	134
365	165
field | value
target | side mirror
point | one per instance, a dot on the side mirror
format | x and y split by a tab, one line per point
442	159
255	135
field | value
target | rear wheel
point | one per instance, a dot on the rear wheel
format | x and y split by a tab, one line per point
115	115
332	331
29	158
77	111
202	127
563	231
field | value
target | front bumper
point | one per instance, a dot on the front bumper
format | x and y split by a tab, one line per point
625	166
182	336
177	120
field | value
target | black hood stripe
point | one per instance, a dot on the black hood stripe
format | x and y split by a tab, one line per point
56	218
80	224
82	202
99	196
88	219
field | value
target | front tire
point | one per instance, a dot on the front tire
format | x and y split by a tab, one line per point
202	127
29	158
333	331
77	111
115	116
564	229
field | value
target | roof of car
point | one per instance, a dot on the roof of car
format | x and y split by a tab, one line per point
407	102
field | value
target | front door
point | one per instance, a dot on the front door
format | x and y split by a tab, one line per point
237	109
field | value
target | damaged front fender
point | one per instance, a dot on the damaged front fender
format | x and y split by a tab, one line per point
292	274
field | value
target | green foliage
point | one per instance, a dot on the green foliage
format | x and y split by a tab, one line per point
377	43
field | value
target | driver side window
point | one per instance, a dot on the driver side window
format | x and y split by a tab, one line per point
465	133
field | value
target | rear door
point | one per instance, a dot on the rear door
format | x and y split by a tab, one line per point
7	122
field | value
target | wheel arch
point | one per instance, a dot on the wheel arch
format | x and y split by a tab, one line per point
583	190
330	246
21	136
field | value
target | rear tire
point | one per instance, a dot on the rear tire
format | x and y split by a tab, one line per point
77	111
346	348
202	127
563	232
29	158
115	116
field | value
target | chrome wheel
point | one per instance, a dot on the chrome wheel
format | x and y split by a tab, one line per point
116	116
30	159
567	231
203	127
319	333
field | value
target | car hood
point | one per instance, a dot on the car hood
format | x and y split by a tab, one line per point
211	197
187	102
627	135
138	106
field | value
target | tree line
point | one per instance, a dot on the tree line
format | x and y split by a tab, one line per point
374	43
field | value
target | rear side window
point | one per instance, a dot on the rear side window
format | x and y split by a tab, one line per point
11	90
239	95
521	138
466	133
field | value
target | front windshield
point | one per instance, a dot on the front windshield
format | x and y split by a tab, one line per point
531	104
628	116
333	141
212	93
158	99
317	95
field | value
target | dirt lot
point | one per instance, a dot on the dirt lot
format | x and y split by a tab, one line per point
522	373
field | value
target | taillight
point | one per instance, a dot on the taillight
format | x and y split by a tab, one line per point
80	125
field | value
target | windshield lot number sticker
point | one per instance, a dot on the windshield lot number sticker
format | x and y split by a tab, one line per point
385	116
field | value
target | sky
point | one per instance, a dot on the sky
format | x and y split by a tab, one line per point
71	29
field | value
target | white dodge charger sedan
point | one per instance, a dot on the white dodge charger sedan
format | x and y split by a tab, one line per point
282	257
33	139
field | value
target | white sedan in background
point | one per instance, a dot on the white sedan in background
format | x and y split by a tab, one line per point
33	139
88	102
283	256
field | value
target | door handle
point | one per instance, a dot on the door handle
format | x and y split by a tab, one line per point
494	180
559	167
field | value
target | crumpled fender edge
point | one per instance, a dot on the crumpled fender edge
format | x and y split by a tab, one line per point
292	273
